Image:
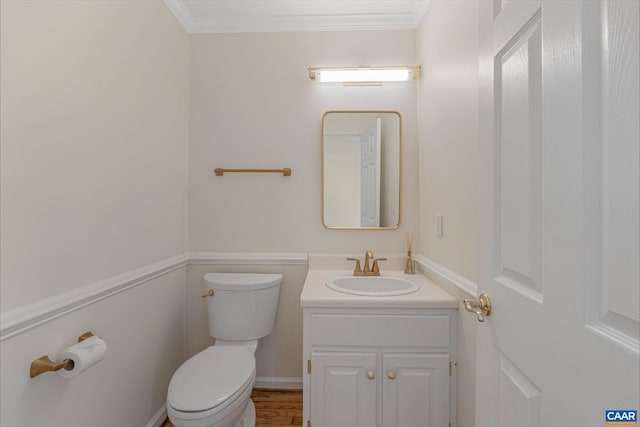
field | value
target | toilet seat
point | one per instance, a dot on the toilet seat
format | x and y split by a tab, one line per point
211	380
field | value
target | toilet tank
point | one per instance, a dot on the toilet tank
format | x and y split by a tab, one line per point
243	306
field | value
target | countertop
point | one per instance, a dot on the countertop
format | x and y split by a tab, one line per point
316	294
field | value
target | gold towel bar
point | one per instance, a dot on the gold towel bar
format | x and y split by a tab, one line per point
44	364
221	171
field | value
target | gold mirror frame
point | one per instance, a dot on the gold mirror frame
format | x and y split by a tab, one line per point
400	170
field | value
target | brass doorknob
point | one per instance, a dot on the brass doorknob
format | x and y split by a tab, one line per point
391	374
481	306
371	374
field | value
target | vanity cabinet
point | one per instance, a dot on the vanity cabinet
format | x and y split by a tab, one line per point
379	367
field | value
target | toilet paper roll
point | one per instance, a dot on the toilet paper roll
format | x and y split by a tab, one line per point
85	354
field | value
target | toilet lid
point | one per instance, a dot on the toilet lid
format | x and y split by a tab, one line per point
210	378
242	281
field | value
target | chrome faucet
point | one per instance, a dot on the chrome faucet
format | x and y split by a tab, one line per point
369	269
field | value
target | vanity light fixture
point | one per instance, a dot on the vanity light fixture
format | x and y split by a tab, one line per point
365	76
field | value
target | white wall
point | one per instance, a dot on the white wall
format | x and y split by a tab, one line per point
99	100
94	147
94	142
447	48
253	105
144	329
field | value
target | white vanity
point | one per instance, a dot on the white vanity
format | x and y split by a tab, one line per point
378	361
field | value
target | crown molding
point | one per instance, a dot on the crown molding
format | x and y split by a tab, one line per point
419	11
297	23
181	13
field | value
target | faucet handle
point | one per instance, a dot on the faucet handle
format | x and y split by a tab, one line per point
375	268
357	269
368	256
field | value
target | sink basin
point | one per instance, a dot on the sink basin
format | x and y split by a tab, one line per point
372	285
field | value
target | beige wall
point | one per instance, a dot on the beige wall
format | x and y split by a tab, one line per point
112	121
253	105
94	147
447	48
94	142
144	329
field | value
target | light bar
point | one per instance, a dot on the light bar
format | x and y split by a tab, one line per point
364	75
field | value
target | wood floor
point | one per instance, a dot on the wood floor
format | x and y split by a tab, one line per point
274	408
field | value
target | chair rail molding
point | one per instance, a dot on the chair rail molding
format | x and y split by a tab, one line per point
429	267
268	258
29	316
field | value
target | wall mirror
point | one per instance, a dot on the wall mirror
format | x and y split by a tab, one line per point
361	169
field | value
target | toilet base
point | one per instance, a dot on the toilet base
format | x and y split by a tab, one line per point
249	417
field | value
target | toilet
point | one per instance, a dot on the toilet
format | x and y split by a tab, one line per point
213	387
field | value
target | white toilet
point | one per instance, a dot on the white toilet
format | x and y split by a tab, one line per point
213	388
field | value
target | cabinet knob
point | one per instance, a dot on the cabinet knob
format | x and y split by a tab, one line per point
391	374
371	374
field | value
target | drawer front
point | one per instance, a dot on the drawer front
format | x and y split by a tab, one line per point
380	330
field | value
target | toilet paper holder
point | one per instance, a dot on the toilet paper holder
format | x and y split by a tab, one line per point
44	364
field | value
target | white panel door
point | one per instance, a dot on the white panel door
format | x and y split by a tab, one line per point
415	390
370	150
559	212
343	389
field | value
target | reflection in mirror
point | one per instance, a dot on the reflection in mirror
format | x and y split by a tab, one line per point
361	169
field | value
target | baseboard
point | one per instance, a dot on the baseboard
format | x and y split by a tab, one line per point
288	383
158	419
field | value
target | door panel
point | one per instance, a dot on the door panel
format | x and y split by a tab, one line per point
518	397
614	156
518	207
341	393
415	390
560	203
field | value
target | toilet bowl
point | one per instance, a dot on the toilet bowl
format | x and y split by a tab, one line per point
213	388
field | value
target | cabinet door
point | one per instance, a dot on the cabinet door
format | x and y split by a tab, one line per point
415	390
343	389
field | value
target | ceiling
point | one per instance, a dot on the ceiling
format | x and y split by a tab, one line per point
227	16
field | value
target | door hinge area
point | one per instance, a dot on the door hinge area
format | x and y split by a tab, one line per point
308	368
309	423
450	375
